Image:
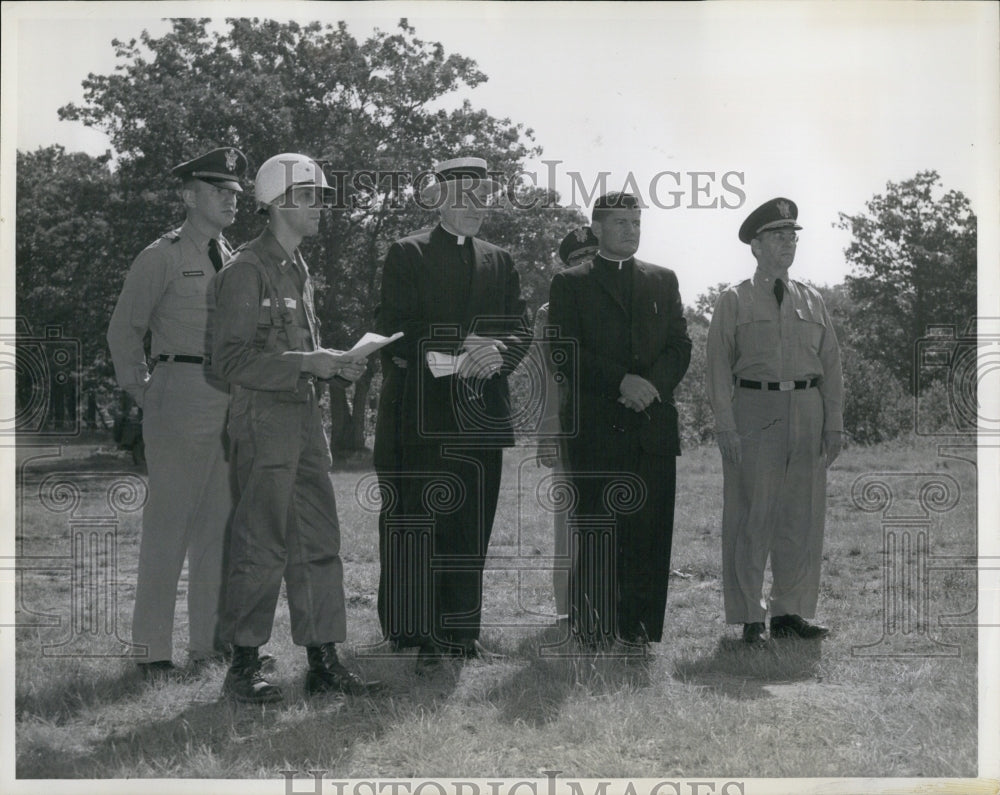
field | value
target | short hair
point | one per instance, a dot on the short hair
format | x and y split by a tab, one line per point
616	200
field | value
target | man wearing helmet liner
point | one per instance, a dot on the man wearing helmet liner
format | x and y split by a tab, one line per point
266	344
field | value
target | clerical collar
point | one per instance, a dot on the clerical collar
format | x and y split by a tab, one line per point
459	239
614	263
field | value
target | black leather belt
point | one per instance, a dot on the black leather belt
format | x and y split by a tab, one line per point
180	357
778	386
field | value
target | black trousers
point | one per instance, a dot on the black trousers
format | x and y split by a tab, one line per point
434	533
621	529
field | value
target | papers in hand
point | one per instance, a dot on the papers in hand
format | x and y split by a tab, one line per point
442	364
370	343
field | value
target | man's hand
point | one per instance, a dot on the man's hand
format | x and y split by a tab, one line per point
729	445
636	392
326	364
483	359
833	443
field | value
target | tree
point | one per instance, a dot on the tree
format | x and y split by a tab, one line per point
64	256
369	111
914	258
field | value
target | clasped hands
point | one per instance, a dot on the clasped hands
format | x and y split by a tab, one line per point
326	363
637	393
482	357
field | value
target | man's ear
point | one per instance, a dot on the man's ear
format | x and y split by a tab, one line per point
188	197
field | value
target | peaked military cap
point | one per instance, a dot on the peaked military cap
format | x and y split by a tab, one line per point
578	240
774	214
221	167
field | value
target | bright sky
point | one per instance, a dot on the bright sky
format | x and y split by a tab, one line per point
823	103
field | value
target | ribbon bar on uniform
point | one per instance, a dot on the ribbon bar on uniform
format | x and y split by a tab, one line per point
778	386
180	357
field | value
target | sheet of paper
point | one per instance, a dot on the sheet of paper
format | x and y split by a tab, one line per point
371	342
442	364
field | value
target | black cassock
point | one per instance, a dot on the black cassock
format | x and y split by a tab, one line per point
620	319
439	441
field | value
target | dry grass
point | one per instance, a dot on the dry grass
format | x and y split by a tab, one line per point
703	706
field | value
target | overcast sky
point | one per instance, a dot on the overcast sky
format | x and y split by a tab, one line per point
822	103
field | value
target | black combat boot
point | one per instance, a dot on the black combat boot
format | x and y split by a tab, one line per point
326	673
244	681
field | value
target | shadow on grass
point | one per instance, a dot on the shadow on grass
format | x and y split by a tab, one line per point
214	737
535	693
66	694
739	671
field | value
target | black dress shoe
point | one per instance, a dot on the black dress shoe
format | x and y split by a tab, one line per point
158	669
753	633
793	626
474	650
429	659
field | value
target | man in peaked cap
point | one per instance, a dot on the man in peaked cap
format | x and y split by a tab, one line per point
631	350
456	297
578	247
184	412
774	381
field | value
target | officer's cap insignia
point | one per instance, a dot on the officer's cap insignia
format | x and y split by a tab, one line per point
231	158
785	209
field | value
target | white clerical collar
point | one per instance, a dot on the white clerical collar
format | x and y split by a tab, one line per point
618	262
459	238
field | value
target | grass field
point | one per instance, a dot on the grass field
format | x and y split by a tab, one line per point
889	693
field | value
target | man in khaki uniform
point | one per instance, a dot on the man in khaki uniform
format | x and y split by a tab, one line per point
266	344
775	384
184	411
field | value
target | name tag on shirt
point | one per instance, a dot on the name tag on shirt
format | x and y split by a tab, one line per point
194	273
290	303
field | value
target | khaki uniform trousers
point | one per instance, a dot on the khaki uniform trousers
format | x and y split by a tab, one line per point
775	505
285	524
189	504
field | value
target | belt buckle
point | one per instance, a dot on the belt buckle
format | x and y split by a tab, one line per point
786	386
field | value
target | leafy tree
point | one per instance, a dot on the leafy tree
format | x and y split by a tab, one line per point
64	257
369	111
914	258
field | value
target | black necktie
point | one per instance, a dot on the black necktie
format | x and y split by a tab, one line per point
779	290
214	254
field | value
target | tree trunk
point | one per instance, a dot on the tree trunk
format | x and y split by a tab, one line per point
340	420
361	390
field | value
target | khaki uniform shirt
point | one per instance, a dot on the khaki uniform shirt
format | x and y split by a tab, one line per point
752	337
251	334
166	293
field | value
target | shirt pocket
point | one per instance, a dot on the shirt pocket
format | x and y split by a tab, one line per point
192	286
809	329
758	332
